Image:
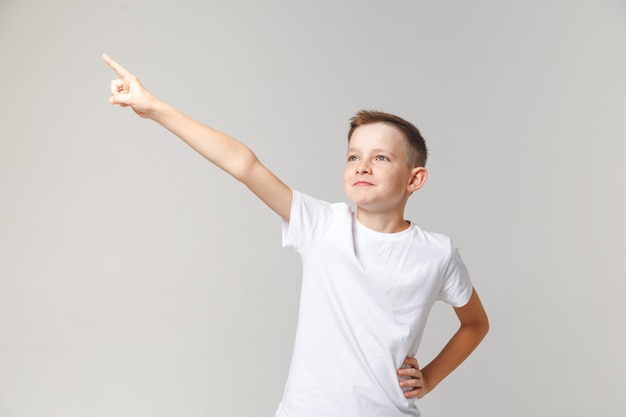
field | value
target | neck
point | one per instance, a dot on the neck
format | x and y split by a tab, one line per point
382	222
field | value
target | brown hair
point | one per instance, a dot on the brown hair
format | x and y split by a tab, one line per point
417	153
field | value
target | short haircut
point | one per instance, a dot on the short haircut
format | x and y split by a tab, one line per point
417	153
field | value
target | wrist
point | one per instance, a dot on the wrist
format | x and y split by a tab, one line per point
156	110
430	382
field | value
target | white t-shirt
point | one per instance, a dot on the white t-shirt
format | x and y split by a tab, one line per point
365	300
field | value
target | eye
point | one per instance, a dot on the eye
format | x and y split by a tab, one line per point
352	158
381	158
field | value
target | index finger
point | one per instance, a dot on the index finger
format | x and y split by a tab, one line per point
120	70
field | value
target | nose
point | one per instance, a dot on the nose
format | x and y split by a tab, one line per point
362	168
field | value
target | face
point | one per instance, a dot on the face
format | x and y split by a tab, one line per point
377	176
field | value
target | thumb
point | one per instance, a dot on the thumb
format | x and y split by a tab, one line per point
121	99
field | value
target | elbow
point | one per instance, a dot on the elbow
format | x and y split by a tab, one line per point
476	331
244	168
478	327
484	327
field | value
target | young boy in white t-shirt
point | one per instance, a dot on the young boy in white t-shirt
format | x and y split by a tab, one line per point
370	277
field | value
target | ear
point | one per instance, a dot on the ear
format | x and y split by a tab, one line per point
418	178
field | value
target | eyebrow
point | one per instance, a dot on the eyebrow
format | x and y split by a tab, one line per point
377	150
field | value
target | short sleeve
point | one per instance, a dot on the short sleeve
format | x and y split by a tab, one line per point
309	219
457	286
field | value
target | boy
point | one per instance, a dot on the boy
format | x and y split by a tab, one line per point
369	278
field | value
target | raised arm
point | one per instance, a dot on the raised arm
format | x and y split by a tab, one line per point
222	150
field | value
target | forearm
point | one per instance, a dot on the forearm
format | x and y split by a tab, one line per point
227	153
464	341
222	150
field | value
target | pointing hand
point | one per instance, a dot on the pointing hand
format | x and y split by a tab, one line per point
127	91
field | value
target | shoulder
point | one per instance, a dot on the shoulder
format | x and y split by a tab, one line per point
312	218
307	203
432	239
438	247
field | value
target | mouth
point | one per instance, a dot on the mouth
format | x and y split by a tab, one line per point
362	184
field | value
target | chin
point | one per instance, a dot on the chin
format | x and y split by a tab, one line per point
357	199
366	204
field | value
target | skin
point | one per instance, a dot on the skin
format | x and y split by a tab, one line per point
474	326
377	179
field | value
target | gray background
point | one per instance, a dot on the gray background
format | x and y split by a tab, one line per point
138	280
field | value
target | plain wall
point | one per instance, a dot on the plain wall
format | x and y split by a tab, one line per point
138	280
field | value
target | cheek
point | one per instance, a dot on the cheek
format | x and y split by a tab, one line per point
346	174
347	179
